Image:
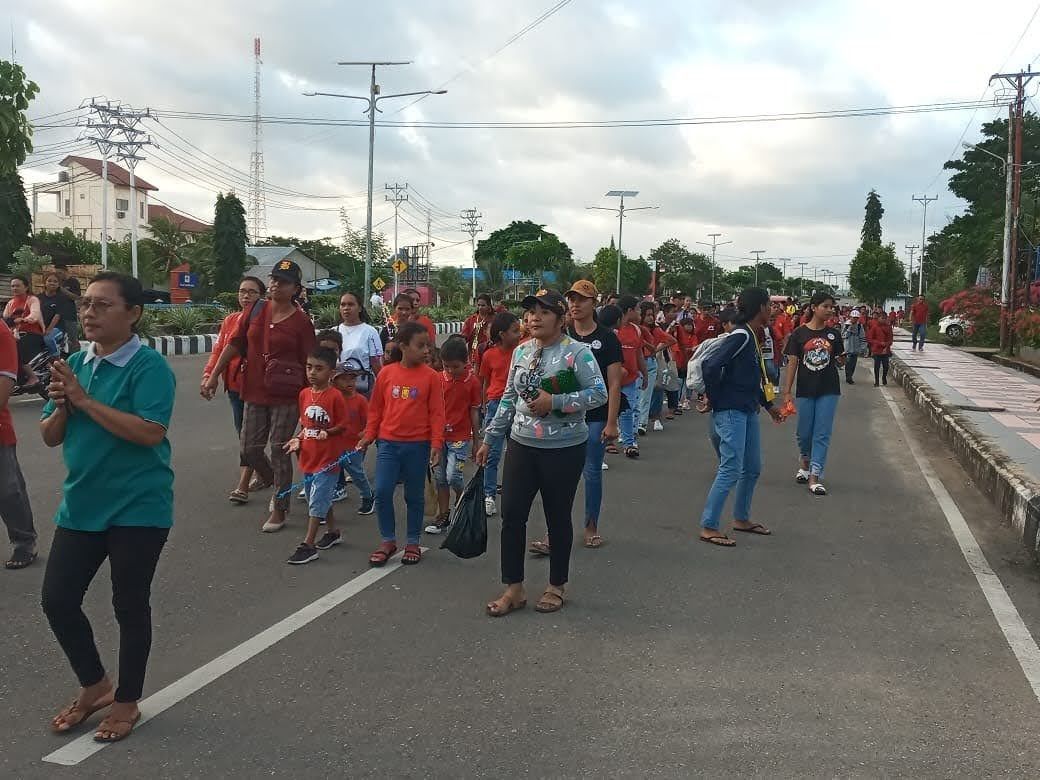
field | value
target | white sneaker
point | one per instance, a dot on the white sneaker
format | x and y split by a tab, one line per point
302	495
270	528
340	494
606	467
489	506
658	426
802	476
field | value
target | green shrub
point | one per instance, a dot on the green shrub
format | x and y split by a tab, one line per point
326	316
319	300
146	326
185	320
228	300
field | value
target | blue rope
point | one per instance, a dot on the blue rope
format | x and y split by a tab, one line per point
340	462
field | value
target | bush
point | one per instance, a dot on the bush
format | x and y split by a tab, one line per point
186	320
146	326
320	300
326	316
229	300
979	307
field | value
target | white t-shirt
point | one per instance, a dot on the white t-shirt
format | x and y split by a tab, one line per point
376	301
360	342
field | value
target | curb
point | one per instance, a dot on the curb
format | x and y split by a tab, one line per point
1015	494
1018	365
201	345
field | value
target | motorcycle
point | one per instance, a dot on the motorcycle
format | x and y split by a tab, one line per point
40	365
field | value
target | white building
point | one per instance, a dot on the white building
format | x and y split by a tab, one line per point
267	256
74	201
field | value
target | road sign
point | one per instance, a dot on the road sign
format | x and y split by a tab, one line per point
187	281
378	283
399	266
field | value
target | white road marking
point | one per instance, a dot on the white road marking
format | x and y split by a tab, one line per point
1022	643
84	747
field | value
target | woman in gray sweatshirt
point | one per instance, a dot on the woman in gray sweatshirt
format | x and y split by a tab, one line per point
552	381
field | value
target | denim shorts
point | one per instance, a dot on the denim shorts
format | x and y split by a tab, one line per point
449	470
320	489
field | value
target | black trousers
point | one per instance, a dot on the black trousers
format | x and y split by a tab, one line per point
850	366
75	558
527	472
881	368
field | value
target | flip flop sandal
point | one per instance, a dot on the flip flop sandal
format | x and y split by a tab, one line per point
382	555
84	713
412	555
757	528
594	542
19	560
237	496
493	609
613	449
116	734
551	601
719	541
818	489
539	547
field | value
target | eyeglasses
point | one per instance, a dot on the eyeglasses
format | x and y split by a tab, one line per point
99	305
247	291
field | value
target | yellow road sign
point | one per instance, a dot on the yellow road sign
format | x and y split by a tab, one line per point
399	266
378	283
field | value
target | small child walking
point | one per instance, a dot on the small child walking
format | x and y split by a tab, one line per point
353	427
319	445
406	417
505	335
462	397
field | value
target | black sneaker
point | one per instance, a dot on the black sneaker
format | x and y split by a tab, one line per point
304	554
368	506
329	539
438	526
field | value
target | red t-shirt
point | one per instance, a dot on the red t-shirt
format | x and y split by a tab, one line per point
8	369
291	339
427	323
355	421
232	374
407	405
706	327
494	367
320	411
460	397
476	332
631	338
919	313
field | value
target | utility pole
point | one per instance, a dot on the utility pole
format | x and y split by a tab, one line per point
399	196
471	224
758	259
924	200
372	99
714	244
257	200
783	274
801	278
103	129
1009	282
911	248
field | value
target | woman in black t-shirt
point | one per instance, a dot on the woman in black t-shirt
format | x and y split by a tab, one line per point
817	351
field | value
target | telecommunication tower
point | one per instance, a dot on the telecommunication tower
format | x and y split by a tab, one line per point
257	203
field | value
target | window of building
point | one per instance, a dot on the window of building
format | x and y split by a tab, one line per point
83	234
142	209
67	209
82	196
122	204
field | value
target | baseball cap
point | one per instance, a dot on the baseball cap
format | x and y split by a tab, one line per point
550	299
287	270
854	313
584	288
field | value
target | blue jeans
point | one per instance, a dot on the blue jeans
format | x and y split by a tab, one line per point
627	418
51	340
918	334
593	473
407	460
815	423
320	489
771	370
494	454
740	464
237	407
448	473
646	396
355	466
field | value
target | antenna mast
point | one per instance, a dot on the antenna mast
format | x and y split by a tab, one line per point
257	203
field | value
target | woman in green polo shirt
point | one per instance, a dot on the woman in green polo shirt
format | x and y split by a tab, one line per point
109	410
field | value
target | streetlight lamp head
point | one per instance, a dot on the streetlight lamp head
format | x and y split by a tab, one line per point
439	92
622	193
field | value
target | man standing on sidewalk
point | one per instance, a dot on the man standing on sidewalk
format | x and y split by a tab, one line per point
854	335
14	498
919	318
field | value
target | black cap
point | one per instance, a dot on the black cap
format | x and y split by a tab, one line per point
288	271
550	299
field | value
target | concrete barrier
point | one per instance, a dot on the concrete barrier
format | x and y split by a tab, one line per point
1015	493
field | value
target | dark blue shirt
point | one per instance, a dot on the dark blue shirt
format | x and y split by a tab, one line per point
733	374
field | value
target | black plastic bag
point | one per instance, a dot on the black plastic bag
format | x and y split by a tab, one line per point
467	534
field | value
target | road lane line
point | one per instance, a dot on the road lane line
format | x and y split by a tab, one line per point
1022	643
84	747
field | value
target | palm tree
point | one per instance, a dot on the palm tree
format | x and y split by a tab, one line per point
169	241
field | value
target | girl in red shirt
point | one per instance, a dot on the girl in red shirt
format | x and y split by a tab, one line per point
406	417
504	336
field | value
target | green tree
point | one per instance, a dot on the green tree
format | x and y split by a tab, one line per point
451	285
26	262
876	273
353	242
16	92
871	232
680	269
229	242
635	274
167	242
15	220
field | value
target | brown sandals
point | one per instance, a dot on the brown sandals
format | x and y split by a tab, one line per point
551	600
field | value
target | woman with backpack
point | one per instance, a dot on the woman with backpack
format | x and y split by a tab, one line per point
817	350
360	341
736	385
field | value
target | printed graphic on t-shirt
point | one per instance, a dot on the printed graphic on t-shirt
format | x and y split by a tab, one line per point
817	353
318	418
404	391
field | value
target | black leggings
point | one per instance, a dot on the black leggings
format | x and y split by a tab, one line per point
75	558
554	473
881	368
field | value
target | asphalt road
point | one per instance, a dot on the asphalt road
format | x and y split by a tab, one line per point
855	642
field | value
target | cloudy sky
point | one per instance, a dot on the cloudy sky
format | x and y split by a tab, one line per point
793	189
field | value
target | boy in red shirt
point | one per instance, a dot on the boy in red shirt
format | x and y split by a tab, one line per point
461	425
319	444
706	326
14	498
919	318
634	377
353	428
406	416
494	371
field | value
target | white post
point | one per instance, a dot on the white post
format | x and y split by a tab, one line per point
104	207
371	163
133	220
1005	273
621	226
473	256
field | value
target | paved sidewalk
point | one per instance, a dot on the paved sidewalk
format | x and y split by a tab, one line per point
987	415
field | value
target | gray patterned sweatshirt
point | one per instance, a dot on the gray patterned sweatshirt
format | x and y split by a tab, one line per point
568	371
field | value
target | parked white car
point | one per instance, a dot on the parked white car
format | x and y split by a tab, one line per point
953	326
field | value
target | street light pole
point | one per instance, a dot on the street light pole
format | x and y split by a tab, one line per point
714	243
372	100
924	200
758	259
621	222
